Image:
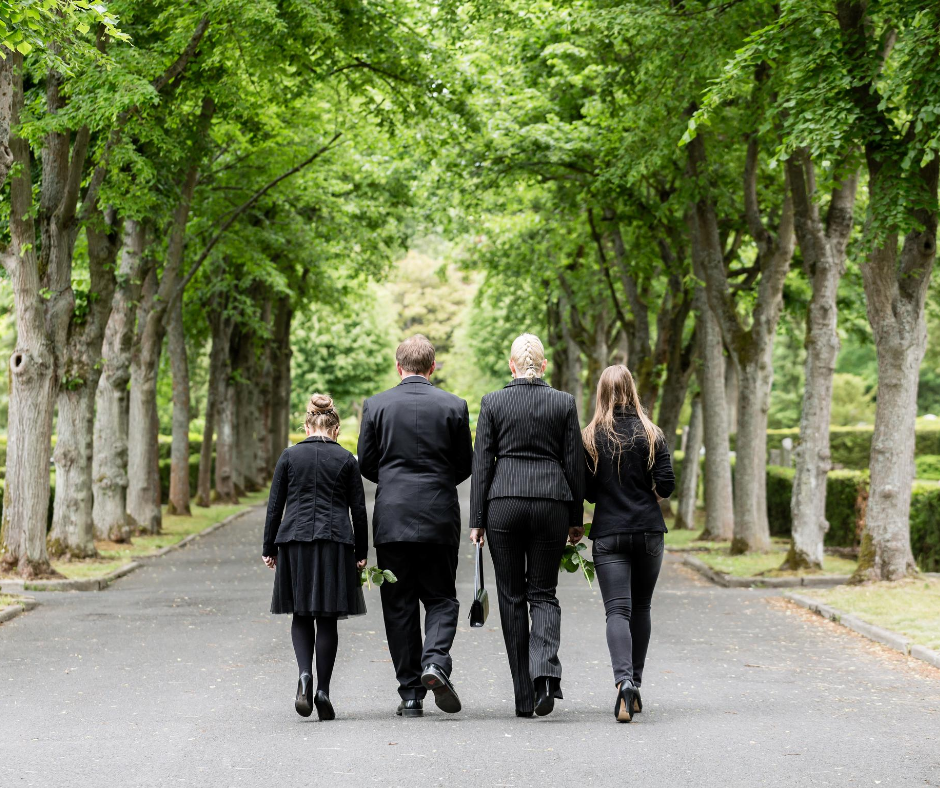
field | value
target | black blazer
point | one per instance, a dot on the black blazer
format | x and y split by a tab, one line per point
528	446
316	485
414	443
625	498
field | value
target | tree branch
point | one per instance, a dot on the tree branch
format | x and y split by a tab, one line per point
194	268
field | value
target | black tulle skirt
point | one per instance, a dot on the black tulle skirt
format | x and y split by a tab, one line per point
317	579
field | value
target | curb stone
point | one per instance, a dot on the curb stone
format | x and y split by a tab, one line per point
728	581
886	637
101	583
10	612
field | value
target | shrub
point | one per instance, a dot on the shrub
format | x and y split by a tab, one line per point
925	526
928	467
193	475
846	502
779	492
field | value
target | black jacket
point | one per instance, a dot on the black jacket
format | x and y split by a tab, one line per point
316	485
528	446
414	443
625	499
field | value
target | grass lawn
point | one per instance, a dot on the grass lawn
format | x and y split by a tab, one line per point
175	529
911	606
715	554
6	600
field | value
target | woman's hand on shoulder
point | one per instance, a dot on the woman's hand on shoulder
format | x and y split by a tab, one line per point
269	561
575	534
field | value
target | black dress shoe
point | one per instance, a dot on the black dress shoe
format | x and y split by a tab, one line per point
434	679
527	714
304	700
324	708
544	696
627	702
410	708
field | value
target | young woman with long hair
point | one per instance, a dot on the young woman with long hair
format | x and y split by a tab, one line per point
629	471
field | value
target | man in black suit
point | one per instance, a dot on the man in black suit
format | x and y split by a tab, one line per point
414	443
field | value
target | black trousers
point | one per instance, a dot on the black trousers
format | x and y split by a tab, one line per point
426	575
527	538
627	569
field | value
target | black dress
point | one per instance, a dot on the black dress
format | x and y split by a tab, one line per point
315	488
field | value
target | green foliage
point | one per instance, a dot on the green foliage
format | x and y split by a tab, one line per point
928	467
372	575
925	526
27	25
572	560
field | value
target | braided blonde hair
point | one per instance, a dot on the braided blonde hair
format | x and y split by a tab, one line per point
528	355
321	415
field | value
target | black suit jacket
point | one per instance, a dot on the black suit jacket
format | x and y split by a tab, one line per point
315	487
528	446
415	444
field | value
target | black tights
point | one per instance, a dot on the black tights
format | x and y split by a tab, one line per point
307	640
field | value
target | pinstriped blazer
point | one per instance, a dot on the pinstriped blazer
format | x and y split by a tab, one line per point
528	446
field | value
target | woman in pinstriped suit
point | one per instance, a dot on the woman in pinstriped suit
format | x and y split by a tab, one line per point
527	496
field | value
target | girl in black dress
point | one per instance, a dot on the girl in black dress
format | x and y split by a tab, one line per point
316	552
629	471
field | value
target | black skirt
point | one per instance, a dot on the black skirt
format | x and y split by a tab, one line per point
317	578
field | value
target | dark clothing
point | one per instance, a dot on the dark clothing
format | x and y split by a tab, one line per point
425	574
415	444
527	538
529	446
317	579
627	568
315	636
315	487
625	497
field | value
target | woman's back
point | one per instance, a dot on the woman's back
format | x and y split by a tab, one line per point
621	483
528	440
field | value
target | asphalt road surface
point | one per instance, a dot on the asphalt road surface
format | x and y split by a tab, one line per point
178	675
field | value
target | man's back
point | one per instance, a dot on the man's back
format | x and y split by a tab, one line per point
415	443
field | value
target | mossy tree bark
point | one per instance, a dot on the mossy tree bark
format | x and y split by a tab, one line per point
823	246
179	495
688	483
750	346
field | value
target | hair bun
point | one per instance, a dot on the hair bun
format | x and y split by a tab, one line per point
320	403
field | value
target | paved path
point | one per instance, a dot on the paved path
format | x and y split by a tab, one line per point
177	675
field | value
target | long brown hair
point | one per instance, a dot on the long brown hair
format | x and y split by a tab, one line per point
616	389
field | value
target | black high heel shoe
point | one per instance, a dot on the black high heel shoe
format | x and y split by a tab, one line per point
544	696
324	708
304	701
628	700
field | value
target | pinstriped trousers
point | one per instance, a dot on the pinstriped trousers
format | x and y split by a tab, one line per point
527	538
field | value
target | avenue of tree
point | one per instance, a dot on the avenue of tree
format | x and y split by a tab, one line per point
665	183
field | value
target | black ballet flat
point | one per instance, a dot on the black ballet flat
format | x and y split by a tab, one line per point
627	703
304	701
324	708
544	696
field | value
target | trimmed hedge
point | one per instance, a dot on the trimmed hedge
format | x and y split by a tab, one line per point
347	441
925	526
193	475
851	446
928	467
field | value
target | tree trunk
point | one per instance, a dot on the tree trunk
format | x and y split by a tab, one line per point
675	387
280	385
204	485
142	451
263	404
246	415
896	291
719	508
109	464
225	422
731	394
575	366
31	373
179	497
752	529
751	346
823	248
72	533
688	484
